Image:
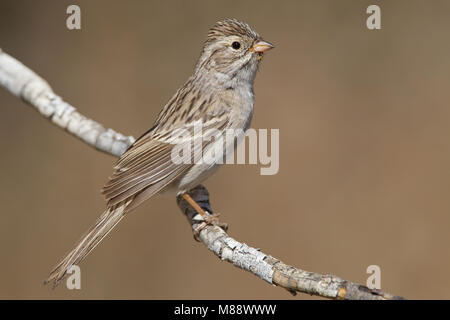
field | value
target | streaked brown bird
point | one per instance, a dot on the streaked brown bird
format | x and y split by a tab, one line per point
219	95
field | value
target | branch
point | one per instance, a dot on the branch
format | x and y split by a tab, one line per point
269	268
27	85
24	83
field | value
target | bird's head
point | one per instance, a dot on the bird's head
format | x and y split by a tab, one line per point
232	51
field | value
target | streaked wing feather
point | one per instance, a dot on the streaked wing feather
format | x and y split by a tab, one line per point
147	167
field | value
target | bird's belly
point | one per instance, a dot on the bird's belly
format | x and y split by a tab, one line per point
194	176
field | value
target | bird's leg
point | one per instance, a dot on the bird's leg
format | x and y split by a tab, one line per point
208	219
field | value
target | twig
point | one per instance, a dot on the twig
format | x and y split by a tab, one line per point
27	85
24	83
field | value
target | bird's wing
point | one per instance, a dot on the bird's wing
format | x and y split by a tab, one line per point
148	164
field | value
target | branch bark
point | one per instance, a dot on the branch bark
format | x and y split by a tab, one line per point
27	85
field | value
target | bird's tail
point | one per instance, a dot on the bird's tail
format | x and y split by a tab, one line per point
89	241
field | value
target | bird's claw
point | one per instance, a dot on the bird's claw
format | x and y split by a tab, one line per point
209	220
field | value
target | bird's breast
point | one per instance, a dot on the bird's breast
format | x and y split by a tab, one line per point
241	101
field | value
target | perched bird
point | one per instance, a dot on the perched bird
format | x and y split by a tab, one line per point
219	95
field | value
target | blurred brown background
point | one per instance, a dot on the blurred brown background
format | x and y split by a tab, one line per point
364	147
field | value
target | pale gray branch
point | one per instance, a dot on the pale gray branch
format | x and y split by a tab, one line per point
269	268
24	83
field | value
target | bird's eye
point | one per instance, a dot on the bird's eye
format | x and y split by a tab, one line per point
236	45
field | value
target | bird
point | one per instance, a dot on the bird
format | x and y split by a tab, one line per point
220	96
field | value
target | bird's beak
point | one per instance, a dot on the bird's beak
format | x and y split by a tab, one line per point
262	46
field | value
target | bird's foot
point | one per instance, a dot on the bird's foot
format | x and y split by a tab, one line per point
209	220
